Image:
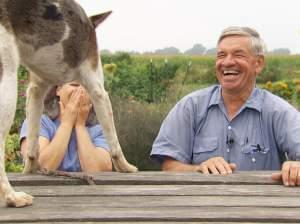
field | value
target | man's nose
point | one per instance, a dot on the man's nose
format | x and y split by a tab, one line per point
228	60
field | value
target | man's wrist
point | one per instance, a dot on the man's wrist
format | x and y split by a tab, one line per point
197	168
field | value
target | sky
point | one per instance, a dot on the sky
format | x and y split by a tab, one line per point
148	25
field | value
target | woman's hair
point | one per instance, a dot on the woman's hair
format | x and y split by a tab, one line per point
257	44
51	107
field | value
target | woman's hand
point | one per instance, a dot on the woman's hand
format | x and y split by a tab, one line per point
85	106
69	112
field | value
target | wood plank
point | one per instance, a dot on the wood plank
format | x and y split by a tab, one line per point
148	178
161	190
52	203
162	214
167	222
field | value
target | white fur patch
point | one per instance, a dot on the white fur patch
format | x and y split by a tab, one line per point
8	96
8	84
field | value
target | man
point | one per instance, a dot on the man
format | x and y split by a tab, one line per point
234	125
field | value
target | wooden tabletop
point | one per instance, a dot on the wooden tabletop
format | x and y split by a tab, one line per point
155	197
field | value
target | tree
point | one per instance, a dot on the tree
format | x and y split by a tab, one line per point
280	51
197	49
167	51
105	51
211	51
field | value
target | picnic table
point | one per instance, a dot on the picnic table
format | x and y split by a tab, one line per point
155	197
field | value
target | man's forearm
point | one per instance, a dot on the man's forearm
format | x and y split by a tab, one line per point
174	165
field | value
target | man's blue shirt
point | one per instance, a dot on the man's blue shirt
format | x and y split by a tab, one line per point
70	162
259	137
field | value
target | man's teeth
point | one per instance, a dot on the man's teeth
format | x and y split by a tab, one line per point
230	72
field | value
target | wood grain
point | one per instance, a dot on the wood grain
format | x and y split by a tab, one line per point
154	198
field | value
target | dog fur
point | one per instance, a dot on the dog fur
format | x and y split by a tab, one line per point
56	41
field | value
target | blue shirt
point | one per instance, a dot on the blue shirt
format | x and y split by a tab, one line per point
259	137
70	161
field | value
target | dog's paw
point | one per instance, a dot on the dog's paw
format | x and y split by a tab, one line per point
18	199
121	165
31	166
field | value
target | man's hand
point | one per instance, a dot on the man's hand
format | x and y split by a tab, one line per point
68	112
290	174
216	165
85	106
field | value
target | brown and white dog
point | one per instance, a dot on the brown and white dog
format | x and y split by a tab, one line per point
56	41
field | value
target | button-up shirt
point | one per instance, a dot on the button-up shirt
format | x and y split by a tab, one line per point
264	132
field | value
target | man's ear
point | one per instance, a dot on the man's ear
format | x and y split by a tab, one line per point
260	64
97	19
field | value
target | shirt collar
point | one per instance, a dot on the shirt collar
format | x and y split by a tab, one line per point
216	97
253	102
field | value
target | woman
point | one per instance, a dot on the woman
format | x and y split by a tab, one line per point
70	139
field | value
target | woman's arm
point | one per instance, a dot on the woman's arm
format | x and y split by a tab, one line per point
91	159
52	152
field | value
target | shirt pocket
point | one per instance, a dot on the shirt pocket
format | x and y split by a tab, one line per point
255	157
204	149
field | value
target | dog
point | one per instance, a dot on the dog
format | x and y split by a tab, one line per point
56	41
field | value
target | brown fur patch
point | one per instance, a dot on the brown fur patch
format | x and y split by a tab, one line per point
93	52
77	45
3	16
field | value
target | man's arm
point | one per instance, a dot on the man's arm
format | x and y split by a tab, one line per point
215	165
287	132
170	164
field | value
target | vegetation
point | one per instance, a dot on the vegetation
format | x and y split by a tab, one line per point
144	88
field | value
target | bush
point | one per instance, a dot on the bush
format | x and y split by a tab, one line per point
12	154
142	78
21	101
137	126
287	89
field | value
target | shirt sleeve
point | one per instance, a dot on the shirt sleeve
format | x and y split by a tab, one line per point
97	137
44	128
176	136
287	129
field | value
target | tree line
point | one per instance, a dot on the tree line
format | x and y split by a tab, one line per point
196	50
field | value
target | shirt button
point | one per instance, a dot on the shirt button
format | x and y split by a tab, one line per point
228	150
229	127
253	160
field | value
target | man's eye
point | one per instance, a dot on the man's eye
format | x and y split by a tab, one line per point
240	55
75	85
220	56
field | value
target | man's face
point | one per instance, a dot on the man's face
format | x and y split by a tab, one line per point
236	65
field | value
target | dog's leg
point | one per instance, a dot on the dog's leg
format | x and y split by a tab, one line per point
92	82
34	108
9	61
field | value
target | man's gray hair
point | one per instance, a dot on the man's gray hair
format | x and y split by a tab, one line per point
257	44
